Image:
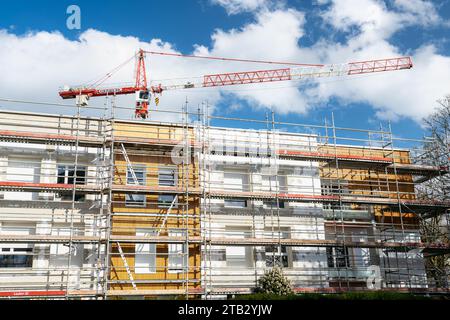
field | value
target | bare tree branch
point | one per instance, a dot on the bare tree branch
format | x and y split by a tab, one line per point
436	152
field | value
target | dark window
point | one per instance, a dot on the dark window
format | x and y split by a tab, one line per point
67	175
135	200
330	258
273	204
67	196
166	177
276	256
337	257
335	187
235	203
144	94
21	258
165	200
139	172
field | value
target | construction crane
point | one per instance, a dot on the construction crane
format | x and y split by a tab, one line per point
298	71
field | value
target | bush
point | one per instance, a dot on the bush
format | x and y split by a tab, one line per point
339	296
273	282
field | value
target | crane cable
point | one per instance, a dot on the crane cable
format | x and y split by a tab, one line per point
96	83
101	80
232	59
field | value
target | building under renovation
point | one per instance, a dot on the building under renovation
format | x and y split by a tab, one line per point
105	208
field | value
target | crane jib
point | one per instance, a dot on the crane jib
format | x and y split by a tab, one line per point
224	79
381	65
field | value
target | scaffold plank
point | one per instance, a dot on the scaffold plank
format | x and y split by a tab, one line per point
119	139
329	198
224	241
38	187
50	138
119	188
330	156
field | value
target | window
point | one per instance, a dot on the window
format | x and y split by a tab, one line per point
16	255
272	183
165	200
166	176
23	170
273	204
145	253
143	95
26	170
235	203
276	256
335	187
235	181
16	258
238	256
360	256
67	175
139	172
336	206
308	171
337	257
177	253
135	200
59	253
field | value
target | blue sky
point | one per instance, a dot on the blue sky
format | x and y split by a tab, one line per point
327	30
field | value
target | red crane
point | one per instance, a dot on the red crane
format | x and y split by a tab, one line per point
299	71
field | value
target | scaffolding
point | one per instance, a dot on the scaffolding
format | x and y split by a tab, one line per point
105	208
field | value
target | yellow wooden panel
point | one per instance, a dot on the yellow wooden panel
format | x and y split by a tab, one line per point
151	131
152	159
372	181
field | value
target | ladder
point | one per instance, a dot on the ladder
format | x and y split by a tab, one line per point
136	181
129	166
167	215
125	263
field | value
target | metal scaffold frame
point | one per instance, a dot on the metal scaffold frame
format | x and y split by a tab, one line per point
66	203
347	181
390	194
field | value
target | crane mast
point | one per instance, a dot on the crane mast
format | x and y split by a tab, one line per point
144	92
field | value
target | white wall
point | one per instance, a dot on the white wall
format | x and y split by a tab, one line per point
236	167
43	213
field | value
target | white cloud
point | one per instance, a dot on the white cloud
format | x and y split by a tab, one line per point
409	93
374	19
367	14
239	6
419	11
273	36
42	62
36	64
278	34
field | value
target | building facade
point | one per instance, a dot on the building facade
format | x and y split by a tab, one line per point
108	208
253	194
156	200
52	205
